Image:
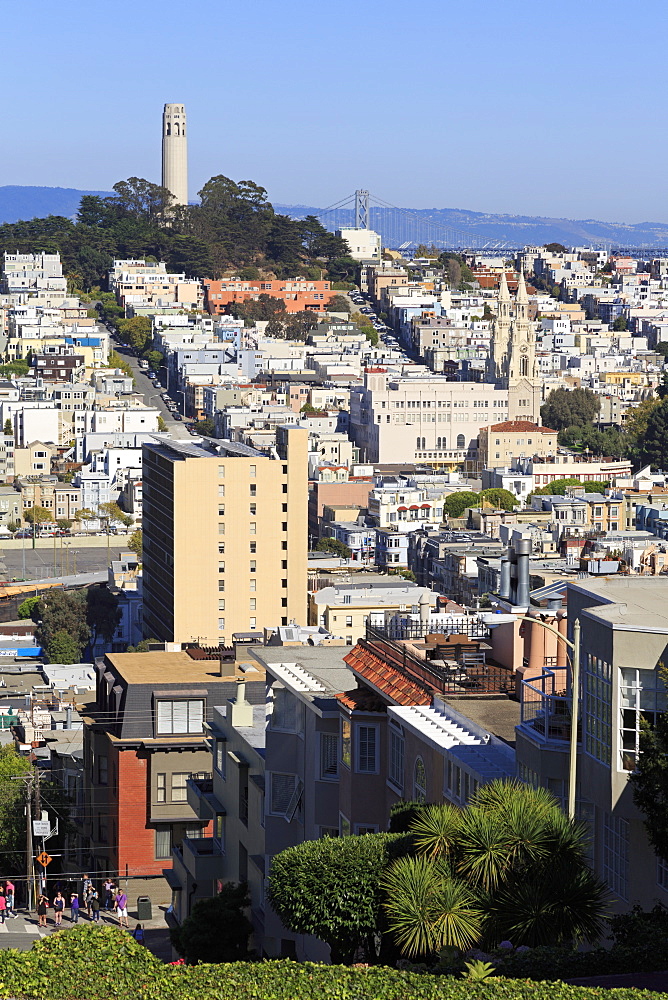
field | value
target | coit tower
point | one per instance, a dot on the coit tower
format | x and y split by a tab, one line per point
175	152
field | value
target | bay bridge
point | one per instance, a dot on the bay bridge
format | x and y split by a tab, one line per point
405	229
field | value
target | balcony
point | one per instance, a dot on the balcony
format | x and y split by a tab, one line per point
203	857
200	796
545	713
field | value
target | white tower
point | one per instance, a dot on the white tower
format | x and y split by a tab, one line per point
175	152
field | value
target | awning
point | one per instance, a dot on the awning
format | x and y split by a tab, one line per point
402	508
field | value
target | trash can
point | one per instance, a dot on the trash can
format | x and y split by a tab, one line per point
144	908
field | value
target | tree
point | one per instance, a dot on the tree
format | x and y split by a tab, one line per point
654	442
13	526
112	513
371	335
331	888
143	647
570	407
155	359
649	781
64	523
217	929
338	303
662	387
8	430
335	546
12	807
27	607
63	648
63	611
85	514
135	543
555	248
38	515
141	199
511	865
456	503
501	498
162	425
102	613
206	427
136	332
620	324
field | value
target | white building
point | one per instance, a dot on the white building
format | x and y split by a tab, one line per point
363	244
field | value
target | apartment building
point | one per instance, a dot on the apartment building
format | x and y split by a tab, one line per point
143	740
502	444
225	537
62	500
623	647
346	609
297	294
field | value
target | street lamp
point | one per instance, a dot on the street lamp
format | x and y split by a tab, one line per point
574	647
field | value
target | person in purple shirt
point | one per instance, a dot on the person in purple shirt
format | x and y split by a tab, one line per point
121	905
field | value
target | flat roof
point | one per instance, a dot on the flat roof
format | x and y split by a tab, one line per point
629	603
158	667
496	713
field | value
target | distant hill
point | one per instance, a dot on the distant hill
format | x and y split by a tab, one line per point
396	225
18	202
399	225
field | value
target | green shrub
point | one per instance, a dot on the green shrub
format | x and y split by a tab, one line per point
105	963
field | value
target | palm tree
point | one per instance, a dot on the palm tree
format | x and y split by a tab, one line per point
509	865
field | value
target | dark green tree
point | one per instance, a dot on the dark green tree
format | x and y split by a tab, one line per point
456	503
63	648
26	608
556	248
334	546
8	430
63	611
620	324
12	807
331	888
338	303
649	782
206	427
102	613
217	930
501	498
570	407
136	542
654	442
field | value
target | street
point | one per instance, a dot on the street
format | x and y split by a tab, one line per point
22	931
153	394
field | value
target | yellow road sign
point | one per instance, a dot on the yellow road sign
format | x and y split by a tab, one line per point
44	859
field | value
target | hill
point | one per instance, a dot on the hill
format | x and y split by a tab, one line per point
18	202
398	225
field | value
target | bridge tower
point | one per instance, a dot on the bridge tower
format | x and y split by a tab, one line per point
361	209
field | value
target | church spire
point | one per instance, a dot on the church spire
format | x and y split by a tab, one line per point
521	289
504	294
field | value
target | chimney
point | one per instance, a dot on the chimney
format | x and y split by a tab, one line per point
523	550
504	583
425	609
241	712
68	717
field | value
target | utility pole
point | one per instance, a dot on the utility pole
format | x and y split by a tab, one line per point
29	847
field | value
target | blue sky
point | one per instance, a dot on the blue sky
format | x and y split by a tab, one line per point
506	106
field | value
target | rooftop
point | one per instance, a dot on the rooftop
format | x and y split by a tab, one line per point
313	672
520	425
628	603
159	668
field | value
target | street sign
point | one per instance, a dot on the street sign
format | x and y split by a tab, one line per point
44	859
41	827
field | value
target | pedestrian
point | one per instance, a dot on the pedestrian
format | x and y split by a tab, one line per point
89	897
86	887
74	908
58	907
3	905
10	893
41	910
95	906
121	906
108	893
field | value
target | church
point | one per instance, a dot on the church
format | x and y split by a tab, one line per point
512	357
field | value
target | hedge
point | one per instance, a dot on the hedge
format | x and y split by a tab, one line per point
105	963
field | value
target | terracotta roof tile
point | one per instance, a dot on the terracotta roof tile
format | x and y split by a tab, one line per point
385	679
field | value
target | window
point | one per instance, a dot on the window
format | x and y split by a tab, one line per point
661	872
163	842
252	585
461	441
253	547
329	831
220	758
221	604
363	828
252	623
286	714
616	854
366	749
282	788
252	508
102	770
179	791
396	762
252	470
419	781
344	826
598	709
221	489
221	624
180	717
642	697
345	742
221	471
253	490
349	620
329	756
253	566
161	787
252	528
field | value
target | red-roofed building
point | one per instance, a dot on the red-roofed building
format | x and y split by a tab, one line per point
298	294
500	445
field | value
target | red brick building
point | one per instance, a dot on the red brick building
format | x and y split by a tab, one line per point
144	739
298	294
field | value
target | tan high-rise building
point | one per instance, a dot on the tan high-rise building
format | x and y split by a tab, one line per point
175	152
225	538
